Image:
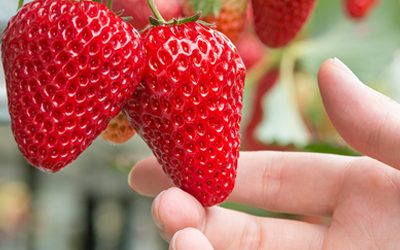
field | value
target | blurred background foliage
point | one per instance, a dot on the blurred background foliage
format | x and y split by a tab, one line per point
89	205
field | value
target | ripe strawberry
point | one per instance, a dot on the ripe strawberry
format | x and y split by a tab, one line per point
119	130
188	107
140	12
263	87
250	48
277	22
69	68
230	17
358	9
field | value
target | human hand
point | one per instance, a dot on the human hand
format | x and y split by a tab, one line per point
361	195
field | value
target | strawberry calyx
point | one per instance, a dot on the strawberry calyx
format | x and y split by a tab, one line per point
174	21
158	19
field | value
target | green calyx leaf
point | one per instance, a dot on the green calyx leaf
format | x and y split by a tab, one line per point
207	7
20	4
119	12
157	22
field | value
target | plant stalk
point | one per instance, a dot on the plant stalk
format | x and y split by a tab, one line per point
155	11
109	4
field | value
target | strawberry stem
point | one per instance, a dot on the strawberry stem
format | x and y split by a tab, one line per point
20	4
159	20
155	11
109	4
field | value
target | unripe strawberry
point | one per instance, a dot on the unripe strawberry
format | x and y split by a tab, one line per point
229	18
119	130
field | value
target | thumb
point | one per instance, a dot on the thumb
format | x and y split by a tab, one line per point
366	119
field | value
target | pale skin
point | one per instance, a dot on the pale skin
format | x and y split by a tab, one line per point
361	195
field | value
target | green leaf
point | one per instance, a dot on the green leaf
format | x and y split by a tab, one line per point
20	3
206	7
256	211
366	46
217	7
328	148
120	12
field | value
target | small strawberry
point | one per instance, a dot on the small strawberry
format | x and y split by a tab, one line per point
358	9
277	22
229	16
70	67
188	107
119	130
250	48
257	111
140	12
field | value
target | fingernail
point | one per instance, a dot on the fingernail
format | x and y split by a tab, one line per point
341	64
344	67
130	179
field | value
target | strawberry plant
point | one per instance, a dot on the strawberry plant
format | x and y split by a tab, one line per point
76	70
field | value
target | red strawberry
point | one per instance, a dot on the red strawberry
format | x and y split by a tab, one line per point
230	18
264	86
69	68
250	48
140	12
188	107
119	130
358	9
277	22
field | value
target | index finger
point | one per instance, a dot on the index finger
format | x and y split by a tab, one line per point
365	118
302	183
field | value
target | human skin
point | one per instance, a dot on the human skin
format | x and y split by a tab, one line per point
360	195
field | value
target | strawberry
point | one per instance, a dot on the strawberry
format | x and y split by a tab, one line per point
140	12
277	22
119	130
263	87
358	9
70	68
250	48
229	16
188	107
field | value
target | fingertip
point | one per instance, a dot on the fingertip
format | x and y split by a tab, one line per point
136	174
324	69
333	71
190	238
174	210
147	178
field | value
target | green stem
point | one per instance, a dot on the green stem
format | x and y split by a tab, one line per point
109	4
20	3
155	11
